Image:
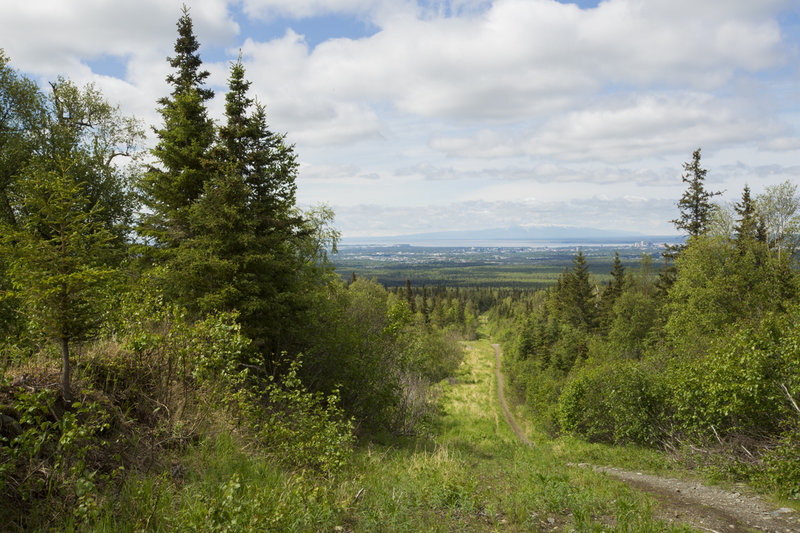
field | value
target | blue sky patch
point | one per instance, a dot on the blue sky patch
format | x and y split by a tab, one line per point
109	65
315	29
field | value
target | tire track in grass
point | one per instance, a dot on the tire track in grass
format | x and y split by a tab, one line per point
501	396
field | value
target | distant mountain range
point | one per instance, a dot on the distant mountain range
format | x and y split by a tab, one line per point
517	234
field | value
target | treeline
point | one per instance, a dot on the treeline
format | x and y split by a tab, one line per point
699	355
148	298
455	310
451	309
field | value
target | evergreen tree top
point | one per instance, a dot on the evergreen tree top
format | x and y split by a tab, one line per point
695	205
747	226
235	133
187	62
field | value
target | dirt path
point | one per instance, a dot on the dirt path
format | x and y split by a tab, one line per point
705	508
502	397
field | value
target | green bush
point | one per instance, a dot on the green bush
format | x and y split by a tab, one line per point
638	400
780	467
584	410
742	387
617	403
305	429
432	354
50	451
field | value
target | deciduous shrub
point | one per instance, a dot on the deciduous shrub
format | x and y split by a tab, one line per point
619	403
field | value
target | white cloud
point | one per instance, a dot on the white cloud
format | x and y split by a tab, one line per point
47	38
451	100
266	9
624	129
299	101
780	144
466	60
540	173
344	174
518	60
52	36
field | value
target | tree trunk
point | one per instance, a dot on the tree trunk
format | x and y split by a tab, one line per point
66	391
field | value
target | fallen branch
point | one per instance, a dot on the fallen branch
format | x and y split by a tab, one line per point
716	434
788	395
695	448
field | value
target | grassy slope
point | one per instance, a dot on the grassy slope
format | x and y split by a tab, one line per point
469	474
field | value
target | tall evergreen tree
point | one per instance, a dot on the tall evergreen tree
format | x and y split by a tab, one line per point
575	295
611	293
243	251
410	297
425	304
748	227
695	215
695	205
182	153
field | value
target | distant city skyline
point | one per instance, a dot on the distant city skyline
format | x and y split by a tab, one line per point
411	116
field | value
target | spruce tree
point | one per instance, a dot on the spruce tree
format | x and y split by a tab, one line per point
696	210
748	226
611	293
63	142
182	153
410	297
242	252
425	304
695	205
575	295
58	257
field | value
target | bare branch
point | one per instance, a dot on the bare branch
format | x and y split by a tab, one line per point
788	395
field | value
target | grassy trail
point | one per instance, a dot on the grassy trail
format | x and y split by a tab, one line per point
501	396
470	473
476	475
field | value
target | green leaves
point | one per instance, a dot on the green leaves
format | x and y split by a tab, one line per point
59	253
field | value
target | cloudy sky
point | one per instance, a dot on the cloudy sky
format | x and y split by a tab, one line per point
420	115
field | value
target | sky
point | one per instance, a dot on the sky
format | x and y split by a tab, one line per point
410	116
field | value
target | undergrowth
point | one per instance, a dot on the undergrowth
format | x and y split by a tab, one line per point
207	470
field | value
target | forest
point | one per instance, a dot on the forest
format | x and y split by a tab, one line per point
178	351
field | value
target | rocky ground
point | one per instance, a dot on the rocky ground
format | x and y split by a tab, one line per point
708	508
